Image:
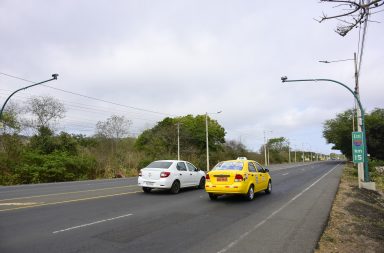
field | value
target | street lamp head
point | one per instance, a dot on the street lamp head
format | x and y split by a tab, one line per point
284	78
324	61
219	112
55	76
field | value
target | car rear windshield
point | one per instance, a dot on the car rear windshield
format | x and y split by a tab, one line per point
229	166
160	165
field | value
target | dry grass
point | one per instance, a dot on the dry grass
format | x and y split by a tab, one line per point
356	222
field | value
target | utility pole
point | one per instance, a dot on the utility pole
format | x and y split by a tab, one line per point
360	166
206	134
289	153
265	150
178	140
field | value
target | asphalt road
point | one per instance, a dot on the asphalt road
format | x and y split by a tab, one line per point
116	216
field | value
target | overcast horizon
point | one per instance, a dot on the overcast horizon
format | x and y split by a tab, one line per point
190	57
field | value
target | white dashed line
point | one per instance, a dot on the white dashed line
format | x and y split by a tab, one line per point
90	224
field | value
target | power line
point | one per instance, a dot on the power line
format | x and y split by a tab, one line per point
363	42
92	98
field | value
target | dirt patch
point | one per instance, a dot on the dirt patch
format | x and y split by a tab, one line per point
356	222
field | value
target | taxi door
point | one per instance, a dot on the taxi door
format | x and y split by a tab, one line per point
252	176
263	180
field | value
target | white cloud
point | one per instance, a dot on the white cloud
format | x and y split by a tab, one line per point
190	57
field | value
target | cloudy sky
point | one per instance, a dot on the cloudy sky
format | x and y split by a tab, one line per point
190	57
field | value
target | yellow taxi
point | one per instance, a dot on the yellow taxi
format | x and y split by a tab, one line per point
240	176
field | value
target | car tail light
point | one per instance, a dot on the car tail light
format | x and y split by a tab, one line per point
165	174
238	178
207	178
140	173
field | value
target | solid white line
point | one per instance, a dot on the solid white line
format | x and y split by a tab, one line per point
233	243
93	223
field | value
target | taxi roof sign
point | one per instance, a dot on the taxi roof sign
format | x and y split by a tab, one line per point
242	158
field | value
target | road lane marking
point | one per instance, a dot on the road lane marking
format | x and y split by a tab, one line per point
241	237
92	223
285	174
64	193
19	204
70	201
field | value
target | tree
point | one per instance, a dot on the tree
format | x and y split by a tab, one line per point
47	110
11	123
278	149
338	132
160	142
375	133
353	13
115	127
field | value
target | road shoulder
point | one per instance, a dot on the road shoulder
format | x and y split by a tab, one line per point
356	222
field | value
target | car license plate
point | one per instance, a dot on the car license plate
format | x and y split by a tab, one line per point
222	179
148	183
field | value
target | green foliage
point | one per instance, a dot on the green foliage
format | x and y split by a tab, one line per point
160	142
338	132
54	167
375	134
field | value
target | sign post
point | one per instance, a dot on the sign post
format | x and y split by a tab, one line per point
357	147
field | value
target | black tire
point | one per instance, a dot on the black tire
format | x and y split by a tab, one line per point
250	194
202	183
269	187
147	189
175	187
212	196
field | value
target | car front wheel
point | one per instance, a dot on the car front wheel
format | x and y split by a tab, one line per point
269	188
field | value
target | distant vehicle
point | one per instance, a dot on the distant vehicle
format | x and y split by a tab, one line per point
172	175
239	177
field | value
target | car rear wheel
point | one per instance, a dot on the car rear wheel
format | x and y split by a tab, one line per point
212	196
250	194
147	189
175	187
202	183
269	188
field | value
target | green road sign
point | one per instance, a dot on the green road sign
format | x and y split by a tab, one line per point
357	147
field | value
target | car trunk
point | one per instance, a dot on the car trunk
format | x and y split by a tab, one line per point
223	177
151	173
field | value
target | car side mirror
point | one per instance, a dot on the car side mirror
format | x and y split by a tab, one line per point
266	170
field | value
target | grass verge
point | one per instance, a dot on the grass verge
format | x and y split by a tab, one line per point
356	221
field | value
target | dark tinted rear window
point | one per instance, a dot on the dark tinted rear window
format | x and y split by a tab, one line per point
161	165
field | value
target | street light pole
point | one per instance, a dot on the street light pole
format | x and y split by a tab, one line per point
366	175
178	140
54	77
206	134
289	153
360	169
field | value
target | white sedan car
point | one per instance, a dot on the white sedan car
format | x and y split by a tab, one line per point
172	175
